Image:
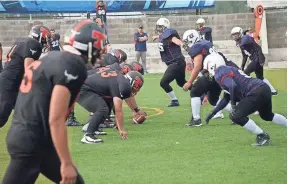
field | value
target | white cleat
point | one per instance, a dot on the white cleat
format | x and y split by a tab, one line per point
256	113
218	115
85	127
91	139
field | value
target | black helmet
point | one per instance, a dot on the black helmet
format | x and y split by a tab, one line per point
123	56
41	34
125	68
88	38
137	67
136	81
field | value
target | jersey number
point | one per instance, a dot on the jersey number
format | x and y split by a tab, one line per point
55	43
10	53
108	74
212	51
161	47
242	73
26	84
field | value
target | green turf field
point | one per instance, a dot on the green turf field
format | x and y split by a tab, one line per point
164	151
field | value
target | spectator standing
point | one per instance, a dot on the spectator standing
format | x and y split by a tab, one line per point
101	11
140	39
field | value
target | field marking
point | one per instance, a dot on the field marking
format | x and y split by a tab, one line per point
157	110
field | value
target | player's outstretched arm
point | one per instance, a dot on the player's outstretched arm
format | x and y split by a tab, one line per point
177	41
57	117
119	117
244	60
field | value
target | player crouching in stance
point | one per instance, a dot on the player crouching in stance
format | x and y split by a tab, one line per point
37	140
100	87
252	50
250	93
170	51
198	50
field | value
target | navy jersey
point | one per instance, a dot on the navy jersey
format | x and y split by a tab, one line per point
250	48
236	82
55	42
108	84
11	76
206	34
203	47
169	51
114	67
31	115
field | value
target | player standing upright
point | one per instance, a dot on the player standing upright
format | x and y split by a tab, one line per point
22	53
170	51
205	32
252	50
252	95
37	140
55	41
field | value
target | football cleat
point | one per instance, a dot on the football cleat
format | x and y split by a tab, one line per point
274	93
72	121
174	103
89	138
262	139
85	127
218	115
100	132
196	123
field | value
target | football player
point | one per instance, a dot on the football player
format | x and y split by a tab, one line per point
250	93
22	53
137	67
37	140
55	41
251	49
170	52
93	97
205	32
198	49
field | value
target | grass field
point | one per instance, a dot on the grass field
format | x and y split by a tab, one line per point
164	151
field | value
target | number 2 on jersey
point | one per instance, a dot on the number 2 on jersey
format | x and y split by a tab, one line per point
26	84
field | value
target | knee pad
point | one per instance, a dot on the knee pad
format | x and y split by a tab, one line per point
239	120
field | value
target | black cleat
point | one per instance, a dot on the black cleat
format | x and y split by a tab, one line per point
196	123
174	103
72	121
262	139
274	93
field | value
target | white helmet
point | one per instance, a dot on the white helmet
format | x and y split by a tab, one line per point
190	37
237	33
212	62
161	25
200	23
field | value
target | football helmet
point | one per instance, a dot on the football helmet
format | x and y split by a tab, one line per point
137	67
237	33
190	37
41	34
161	25
212	62
88	38
125	68
136	81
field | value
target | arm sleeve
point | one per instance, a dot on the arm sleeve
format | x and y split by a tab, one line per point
229	83
222	104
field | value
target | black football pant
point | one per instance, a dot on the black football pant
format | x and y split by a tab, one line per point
174	71
255	67
92	102
206	85
258	100
26	169
7	102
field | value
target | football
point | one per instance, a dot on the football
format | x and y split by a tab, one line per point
139	119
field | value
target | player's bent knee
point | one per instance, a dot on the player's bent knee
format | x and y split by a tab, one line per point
194	92
238	120
267	117
165	85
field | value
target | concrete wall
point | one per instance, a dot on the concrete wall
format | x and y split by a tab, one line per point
121	30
